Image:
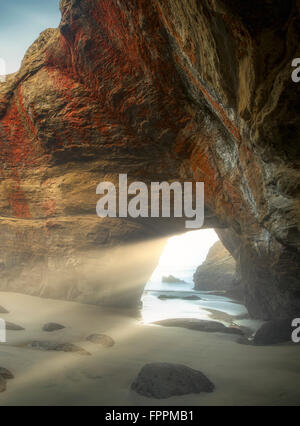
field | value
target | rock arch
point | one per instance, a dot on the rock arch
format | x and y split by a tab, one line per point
160	90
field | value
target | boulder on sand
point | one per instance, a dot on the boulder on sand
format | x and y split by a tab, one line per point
275	331
52	326
2	384
13	327
199	325
163	380
101	339
6	374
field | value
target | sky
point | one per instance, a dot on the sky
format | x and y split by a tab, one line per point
183	254
21	22
188	249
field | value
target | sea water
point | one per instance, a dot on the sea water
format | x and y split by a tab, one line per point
181	257
210	306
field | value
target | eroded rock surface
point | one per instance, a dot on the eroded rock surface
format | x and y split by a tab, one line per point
159	90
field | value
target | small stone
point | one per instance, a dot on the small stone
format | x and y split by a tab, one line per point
193	297
54	346
199	325
6	374
52	326
166	297
13	327
2	384
163	380
101	339
3	310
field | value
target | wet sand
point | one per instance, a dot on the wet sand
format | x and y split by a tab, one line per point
243	375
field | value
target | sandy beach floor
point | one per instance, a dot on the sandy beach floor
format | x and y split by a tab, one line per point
243	375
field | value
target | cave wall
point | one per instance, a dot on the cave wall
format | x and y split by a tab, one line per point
160	90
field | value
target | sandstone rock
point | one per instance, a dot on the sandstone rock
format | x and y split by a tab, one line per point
55	346
52	326
275	331
172	280
101	339
6	374
217	272
199	325
163	380
193	91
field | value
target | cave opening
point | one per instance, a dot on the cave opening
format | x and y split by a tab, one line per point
195	279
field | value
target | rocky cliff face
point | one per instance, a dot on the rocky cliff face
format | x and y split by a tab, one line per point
160	90
217	272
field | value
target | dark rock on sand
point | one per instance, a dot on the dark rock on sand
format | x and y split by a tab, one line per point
60	347
101	339
2	384
163	380
52	326
193	297
171	280
199	325
244	340
13	327
165	297
3	310
272	332
6	374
